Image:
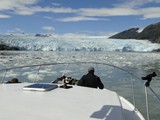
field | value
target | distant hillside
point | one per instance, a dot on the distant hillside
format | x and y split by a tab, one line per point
6	47
151	32
127	34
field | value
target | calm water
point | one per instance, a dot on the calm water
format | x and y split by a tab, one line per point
114	78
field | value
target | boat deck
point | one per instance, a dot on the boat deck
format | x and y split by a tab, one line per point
77	103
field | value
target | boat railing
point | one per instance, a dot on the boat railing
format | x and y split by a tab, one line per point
114	78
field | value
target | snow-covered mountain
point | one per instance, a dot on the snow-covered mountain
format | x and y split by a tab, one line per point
92	43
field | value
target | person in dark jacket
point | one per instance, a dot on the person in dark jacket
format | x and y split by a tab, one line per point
90	80
14	80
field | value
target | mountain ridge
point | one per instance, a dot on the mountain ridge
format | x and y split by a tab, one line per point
151	33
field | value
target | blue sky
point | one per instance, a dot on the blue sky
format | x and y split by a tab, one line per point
76	17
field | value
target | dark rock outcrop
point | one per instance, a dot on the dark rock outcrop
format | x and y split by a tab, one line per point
156	50
42	35
151	32
127	34
6	47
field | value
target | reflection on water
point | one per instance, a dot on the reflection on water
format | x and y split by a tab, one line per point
113	78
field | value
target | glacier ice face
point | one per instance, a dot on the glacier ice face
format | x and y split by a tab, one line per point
101	43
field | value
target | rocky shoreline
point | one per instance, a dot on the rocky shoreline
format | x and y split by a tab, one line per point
6	47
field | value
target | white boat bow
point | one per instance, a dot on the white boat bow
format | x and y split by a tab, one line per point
76	103
19	102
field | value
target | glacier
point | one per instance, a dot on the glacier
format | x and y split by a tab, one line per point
70	43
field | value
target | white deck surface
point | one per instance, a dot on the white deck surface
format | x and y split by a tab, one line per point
77	103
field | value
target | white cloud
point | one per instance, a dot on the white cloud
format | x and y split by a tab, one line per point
131	3
91	13
56	4
14	4
16	30
32	10
49	28
107	11
126	8
56	10
24	11
74	35
135	3
78	18
149	13
107	34
86	34
146	13
48	17
4	16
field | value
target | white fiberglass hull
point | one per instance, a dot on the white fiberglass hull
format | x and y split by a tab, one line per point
76	103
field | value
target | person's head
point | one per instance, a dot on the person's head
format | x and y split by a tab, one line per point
91	69
14	80
154	74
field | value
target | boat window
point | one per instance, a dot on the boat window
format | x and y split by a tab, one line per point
40	87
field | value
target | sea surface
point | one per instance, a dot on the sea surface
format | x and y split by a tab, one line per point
122	74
